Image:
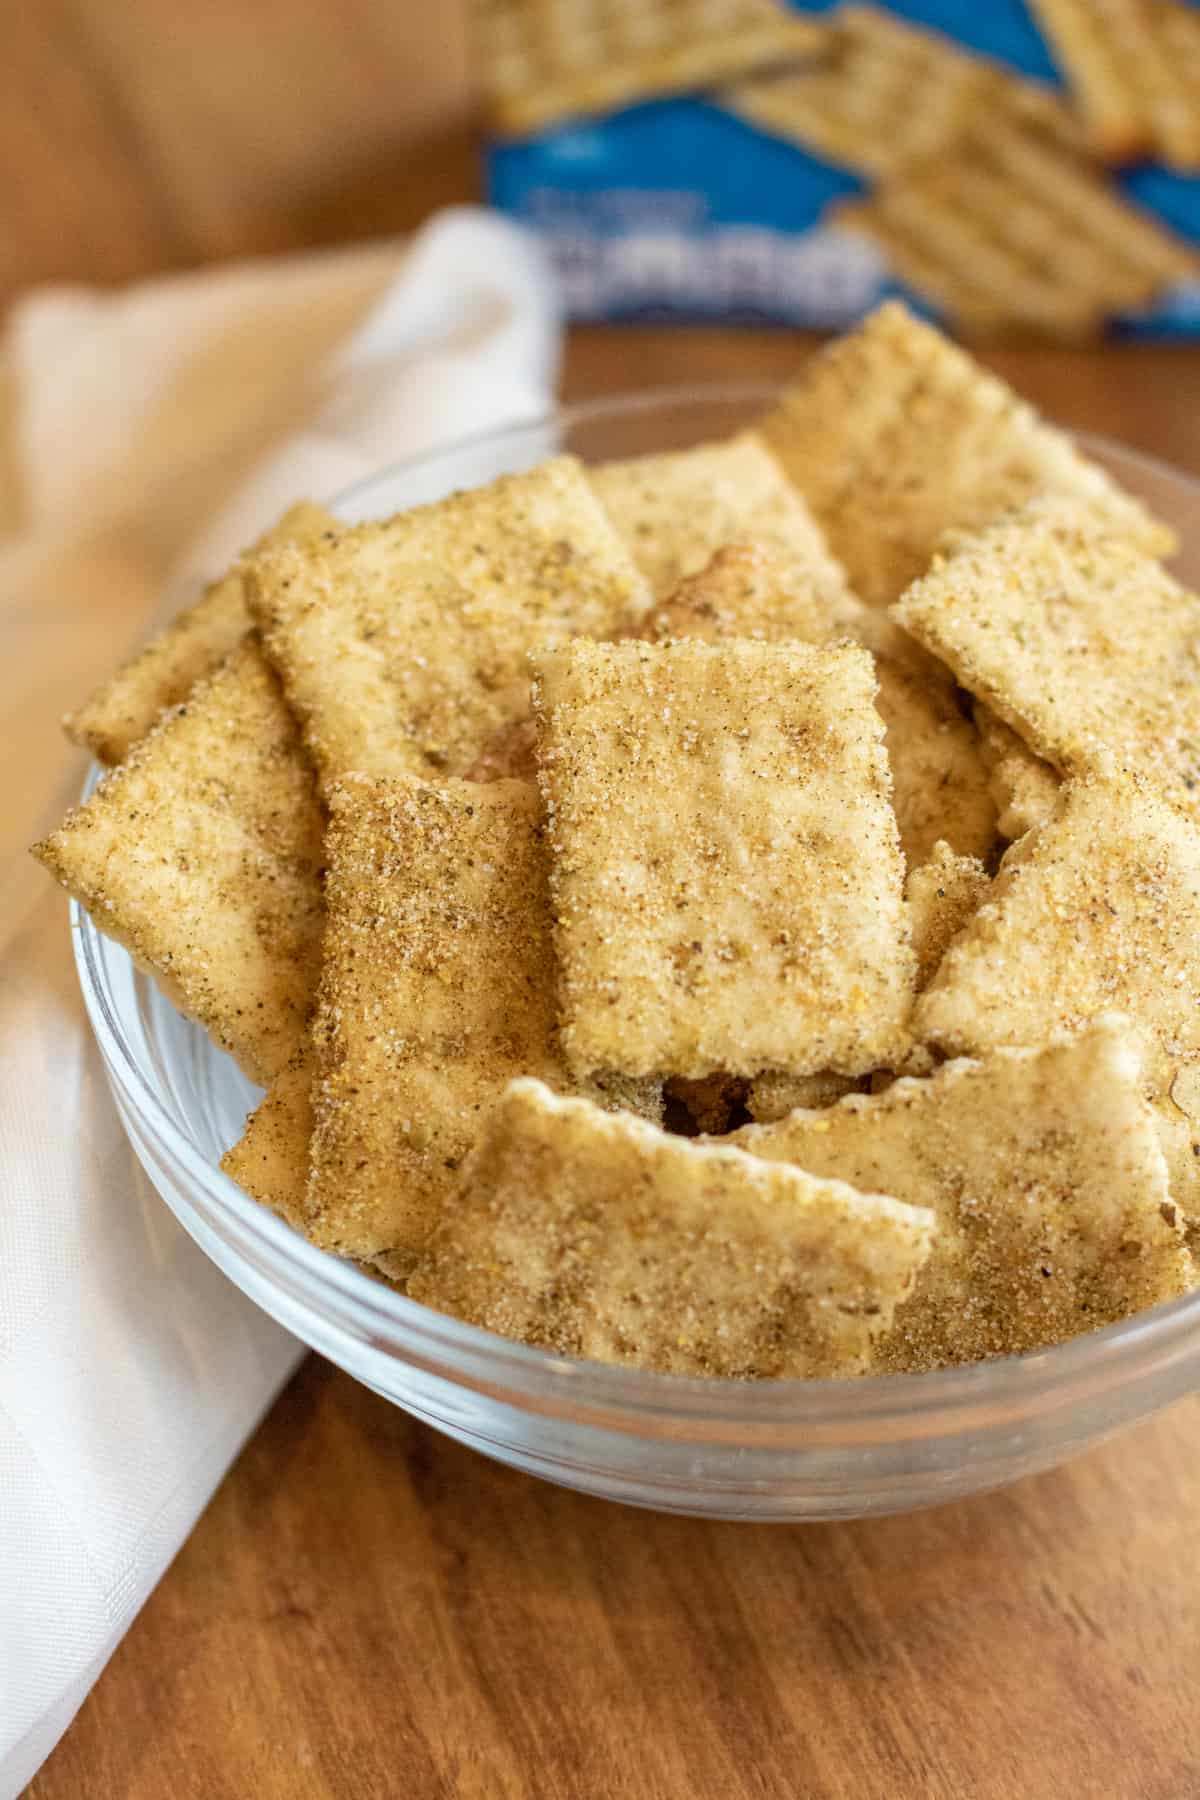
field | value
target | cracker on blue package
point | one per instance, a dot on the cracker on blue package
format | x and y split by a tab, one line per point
1009	170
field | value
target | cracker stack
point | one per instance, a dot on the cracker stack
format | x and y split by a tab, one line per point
515	841
981	198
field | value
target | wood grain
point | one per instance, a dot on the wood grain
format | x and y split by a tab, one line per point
366	1609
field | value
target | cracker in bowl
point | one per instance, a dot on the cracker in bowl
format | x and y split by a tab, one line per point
726	871
595	1234
940	782
1085	646
895	436
675	511
1045	1171
1096	910
402	645
202	854
194	645
437	987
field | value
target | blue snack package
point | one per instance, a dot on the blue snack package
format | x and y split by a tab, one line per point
1009	169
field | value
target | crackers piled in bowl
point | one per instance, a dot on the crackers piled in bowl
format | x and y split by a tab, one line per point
732	912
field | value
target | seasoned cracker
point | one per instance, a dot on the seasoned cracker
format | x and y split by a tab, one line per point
1044	1170
402	646
895	436
675	510
596	1235
202	854
1023	787
940	785
1133	66
1087	648
755	590
437	987
774	1095
941	895
270	1159
193	645
1004	233
726	868
547	61
881	93
1097	910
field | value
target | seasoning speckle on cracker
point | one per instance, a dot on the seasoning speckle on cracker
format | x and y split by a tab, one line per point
527	844
895	436
1086	647
595	1234
1045	1171
725	865
202	855
402	646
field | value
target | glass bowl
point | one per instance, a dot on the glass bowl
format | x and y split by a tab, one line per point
786	1450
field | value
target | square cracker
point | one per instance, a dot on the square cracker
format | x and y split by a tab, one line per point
202	854
1002	231
1024	789
940	784
895	436
437	987
1133	67
1096	910
597	1235
193	645
1045	1173
726	869
881	93
546	61
402	646
673	511
1087	648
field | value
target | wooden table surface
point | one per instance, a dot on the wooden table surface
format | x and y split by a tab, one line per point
365	1608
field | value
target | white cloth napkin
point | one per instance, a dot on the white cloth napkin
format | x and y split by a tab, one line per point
130	1370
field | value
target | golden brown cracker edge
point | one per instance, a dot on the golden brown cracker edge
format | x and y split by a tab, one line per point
594	1234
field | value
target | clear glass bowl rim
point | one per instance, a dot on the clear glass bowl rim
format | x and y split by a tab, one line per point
731	1413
